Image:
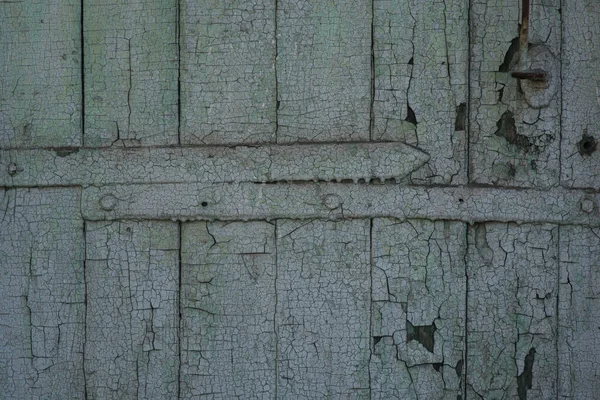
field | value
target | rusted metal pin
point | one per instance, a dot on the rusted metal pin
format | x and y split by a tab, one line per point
536	75
532	75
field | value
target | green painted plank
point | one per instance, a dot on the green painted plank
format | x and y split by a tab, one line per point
323	70
419	310
228	309
580	116
323	309
579	313
132	322
42	315
511	142
131	69
40	73
228	71
420	82
512	275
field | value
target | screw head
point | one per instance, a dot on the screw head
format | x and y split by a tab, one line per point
108	202
12	169
332	201
587	205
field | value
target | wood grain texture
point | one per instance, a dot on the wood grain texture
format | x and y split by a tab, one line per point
323	309
511	142
132	281
323	70
40	73
130	72
579	313
419	287
228	305
42	315
420	73
228	88
512	275
581	94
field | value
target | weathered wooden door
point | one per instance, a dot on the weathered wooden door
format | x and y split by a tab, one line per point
298	199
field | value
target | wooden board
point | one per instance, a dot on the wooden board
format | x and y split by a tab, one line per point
228	305
323	70
132	320
579	313
580	117
42	317
418	314
323	308
420	82
40	78
130	72
512	273
228	87
514	136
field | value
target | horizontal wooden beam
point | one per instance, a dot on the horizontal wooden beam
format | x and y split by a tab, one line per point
216	164
248	201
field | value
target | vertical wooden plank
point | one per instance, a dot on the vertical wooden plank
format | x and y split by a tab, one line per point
579	313
40	73
420	54
581	93
42	289
419	288
323	308
514	128
323	70
228	87
228	310
512	278
132	280
130	72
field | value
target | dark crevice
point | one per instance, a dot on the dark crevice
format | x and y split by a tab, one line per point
525	379
461	116
82	77
410	115
423	334
510	55
178	33
275	72
179	329
508	130
372	105
275	333
85	307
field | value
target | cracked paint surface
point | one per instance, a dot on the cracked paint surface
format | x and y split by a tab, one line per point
297	199
512	273
228	302
42	318
499	109
40	85
130	72
132	290
418	314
